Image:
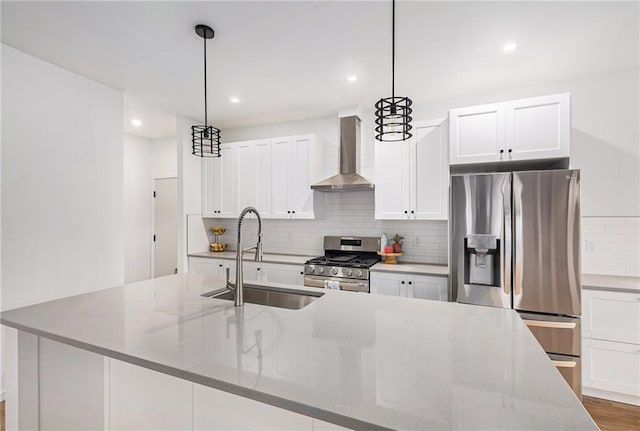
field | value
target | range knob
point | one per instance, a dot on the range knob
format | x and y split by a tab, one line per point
319	270
349	271
310	269
359	273
334	271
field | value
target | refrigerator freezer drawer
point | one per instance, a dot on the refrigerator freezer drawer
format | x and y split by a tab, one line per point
571	369
555	334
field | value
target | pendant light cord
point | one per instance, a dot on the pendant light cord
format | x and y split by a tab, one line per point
205	81
393	49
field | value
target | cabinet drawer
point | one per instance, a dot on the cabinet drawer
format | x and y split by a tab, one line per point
559	335
612	316
611	366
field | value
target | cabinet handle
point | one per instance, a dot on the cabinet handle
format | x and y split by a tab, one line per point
406	212
258	269
402	282
412	212
301	272
288	212
293	212
220	265
410	282
501	154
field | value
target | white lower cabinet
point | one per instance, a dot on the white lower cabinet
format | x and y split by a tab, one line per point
253	271
611	345
410	285
210	266
217	410
283	273
144	399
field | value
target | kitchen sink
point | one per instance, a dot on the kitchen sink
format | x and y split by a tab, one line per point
270	296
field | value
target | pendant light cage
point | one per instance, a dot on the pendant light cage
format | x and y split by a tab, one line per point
393	114
205	139
393	119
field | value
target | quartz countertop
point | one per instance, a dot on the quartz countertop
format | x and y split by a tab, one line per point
611	282
293	259
412	268
407	268
360	361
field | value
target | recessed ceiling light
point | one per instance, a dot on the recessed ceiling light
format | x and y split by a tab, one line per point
509	47
234	100
352	78
136	122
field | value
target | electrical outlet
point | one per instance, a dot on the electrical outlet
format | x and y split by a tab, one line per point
590	246
416	242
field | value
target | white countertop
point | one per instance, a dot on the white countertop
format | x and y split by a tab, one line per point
611	282
356	360
408	268
293	259
412	268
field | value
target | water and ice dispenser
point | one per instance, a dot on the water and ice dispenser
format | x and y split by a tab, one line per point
482	260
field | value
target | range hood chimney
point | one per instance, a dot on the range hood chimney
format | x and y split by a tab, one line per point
348	178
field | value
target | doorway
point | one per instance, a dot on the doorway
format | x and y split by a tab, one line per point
164	248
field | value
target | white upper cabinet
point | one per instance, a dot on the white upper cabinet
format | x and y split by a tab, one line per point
219	183
412	176
297	163
272	175
254	176
526	129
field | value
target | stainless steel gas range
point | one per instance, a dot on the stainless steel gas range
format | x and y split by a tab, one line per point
345	264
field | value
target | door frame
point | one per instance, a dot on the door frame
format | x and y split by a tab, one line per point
153	223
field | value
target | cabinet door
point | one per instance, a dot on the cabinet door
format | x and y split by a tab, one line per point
145	399
539	127
612	316
208	266
281	166
477	134
611	366
254	176
301	195
281	273
388	284
428	287
252	271
217	410
210	183
392	201
228	185
429	172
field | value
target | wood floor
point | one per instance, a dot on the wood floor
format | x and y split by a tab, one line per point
612	416
609	415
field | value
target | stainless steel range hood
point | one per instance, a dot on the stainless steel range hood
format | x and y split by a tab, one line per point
348	178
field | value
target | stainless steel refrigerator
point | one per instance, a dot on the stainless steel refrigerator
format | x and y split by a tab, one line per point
515	243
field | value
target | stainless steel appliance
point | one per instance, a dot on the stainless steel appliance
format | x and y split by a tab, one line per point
515	243
345	265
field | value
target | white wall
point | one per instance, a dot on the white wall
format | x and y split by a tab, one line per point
137	208
164	157
189	185
62	182
615	245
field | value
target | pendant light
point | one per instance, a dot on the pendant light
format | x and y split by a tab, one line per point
393	114
205	140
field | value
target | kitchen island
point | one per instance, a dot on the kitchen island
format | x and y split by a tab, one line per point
156	354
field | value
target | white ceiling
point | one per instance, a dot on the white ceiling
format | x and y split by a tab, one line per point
290	60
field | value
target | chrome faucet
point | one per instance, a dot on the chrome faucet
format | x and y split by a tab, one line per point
238	289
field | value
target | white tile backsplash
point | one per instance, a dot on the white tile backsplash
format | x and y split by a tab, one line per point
347	213
615	245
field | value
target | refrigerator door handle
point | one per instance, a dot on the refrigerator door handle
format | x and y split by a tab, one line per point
506	249
548	324
517	239
564	364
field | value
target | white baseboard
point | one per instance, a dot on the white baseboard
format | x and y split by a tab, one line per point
612	396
